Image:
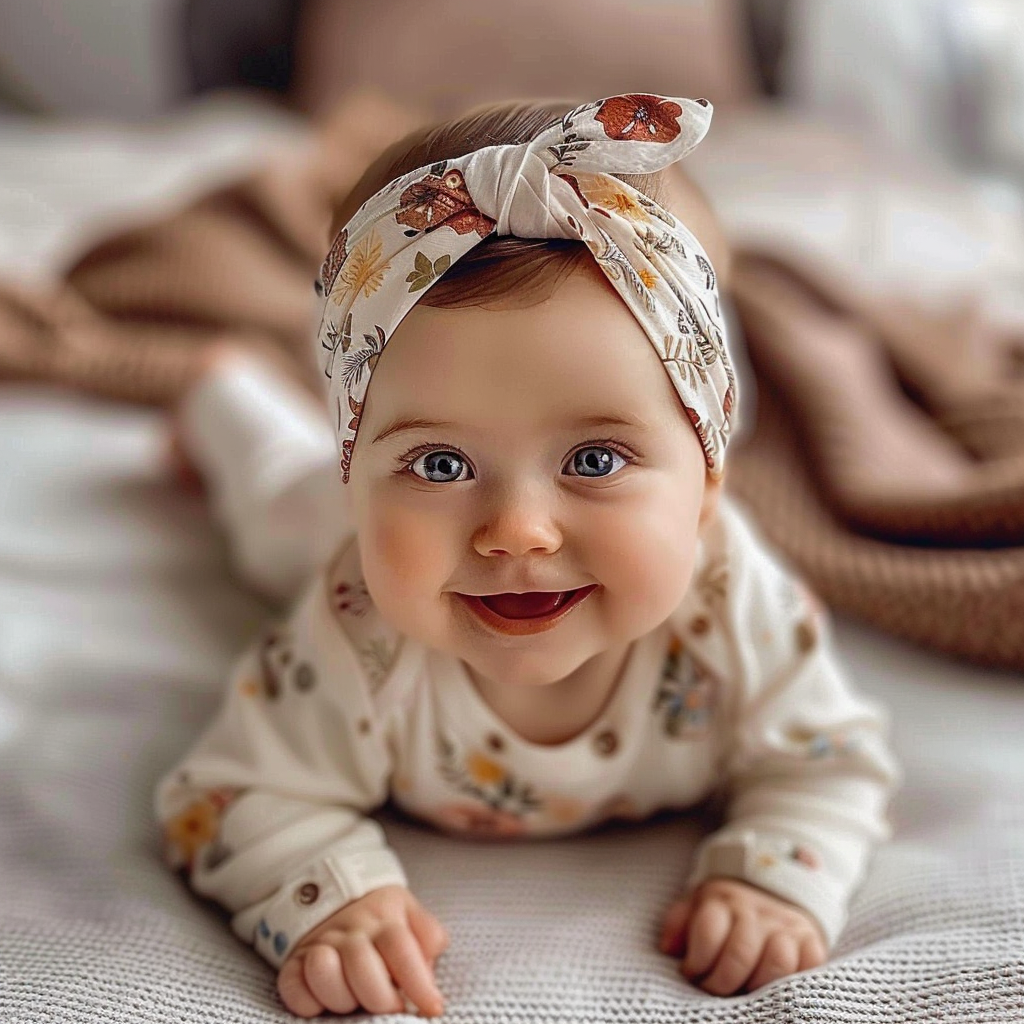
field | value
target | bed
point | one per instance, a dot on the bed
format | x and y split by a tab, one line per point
119	616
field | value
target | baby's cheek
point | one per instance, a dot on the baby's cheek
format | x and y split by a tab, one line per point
649	562
404	563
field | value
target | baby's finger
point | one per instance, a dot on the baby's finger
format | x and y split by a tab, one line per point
812	953
408	966
708	930
780	958
673	928
739	957
429	932
368	978
326	979
294	992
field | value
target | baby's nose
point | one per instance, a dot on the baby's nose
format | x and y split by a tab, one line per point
518	524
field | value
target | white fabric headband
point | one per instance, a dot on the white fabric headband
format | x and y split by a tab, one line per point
560	185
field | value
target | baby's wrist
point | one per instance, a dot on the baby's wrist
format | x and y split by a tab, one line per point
774	864
747	889
322	888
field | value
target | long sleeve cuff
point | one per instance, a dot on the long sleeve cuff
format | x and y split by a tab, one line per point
276	925
780	866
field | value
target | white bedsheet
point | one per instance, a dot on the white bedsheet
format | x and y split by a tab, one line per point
118	619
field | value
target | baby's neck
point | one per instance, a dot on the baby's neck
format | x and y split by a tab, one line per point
557	712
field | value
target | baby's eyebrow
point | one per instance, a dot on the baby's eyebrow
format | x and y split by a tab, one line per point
412	424
612	420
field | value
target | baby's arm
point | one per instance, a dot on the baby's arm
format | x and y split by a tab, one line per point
267	815
809	779
266	453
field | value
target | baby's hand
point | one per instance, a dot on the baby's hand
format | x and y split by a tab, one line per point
736	936
363	954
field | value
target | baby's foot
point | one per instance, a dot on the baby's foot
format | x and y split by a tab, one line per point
182	468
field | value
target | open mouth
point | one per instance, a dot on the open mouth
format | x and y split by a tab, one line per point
533	612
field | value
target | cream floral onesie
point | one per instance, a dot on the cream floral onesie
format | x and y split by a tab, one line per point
331	713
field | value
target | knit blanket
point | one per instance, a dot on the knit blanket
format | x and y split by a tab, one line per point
887	459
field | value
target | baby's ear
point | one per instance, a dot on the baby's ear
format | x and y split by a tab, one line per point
709	503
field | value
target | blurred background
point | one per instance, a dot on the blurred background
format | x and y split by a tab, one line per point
942	79
169	168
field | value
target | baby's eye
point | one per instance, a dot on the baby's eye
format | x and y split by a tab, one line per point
594	460
441	467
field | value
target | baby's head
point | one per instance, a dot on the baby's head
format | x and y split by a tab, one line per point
527	485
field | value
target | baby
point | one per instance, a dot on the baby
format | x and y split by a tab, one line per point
538	613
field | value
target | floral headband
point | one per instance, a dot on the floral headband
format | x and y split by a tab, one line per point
560	185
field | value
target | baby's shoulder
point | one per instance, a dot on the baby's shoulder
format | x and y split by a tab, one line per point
742	574
339	643
745	605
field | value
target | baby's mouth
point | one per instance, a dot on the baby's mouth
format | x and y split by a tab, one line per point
532	612
526	606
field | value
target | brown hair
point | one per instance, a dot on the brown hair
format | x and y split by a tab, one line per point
497	268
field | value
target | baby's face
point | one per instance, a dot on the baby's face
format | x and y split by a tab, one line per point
526	486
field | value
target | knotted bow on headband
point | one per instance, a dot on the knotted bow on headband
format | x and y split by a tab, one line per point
560	185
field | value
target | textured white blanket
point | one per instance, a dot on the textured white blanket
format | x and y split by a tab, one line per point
117	622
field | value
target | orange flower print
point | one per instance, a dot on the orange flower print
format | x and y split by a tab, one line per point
603	192
441	199
364	269
483	770
477	821
191	830
640	118
195	827
649	278
476	775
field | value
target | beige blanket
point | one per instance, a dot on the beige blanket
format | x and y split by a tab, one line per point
888	455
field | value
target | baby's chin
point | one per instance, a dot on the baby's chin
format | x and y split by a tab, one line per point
523	669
